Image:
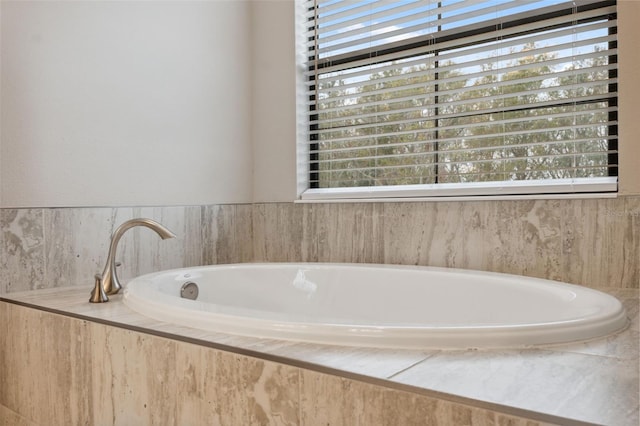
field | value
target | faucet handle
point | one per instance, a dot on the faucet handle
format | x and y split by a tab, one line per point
97	294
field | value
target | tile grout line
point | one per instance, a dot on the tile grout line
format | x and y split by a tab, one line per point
412	365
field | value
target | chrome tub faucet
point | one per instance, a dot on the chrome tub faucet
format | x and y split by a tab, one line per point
108	283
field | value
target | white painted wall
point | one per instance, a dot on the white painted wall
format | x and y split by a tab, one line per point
125	103
164	103
274	101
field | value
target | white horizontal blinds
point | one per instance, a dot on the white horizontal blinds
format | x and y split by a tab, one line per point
428	92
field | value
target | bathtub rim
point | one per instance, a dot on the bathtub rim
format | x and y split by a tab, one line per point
401	337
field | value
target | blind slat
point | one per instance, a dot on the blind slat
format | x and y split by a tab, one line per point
500	108
427	15
433	44
506	145
476	61
430	123
480	162
418	157
428	23
428	86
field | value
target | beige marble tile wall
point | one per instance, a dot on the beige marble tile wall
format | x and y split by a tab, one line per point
43	248
77	372
592	242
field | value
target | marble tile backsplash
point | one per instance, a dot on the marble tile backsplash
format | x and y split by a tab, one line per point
43	248
21	249
592	242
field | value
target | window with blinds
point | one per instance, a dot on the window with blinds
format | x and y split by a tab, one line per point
460	97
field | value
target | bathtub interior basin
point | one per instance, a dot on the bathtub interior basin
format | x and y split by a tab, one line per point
378	305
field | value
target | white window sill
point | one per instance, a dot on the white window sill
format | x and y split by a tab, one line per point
605	187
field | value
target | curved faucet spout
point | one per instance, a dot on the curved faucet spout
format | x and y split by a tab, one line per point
109	279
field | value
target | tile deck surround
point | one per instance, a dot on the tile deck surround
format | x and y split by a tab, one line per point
594	382
590	242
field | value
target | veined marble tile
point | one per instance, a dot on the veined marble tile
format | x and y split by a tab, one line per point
349	232
227	233
61	370
431	234
408	233
631	267
329	400
22	250
500	376
608	263
10	418
634	314
620	346
45	374
493	376
372	362
243	225
404	408
132	377
589	242
253	391
77	242
209	218
168	382
519	237
594	241
151	253
474	218
523	237
447	244
282	233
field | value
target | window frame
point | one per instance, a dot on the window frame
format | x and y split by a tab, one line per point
542	188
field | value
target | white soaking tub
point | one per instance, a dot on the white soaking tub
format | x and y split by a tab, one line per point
377	305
